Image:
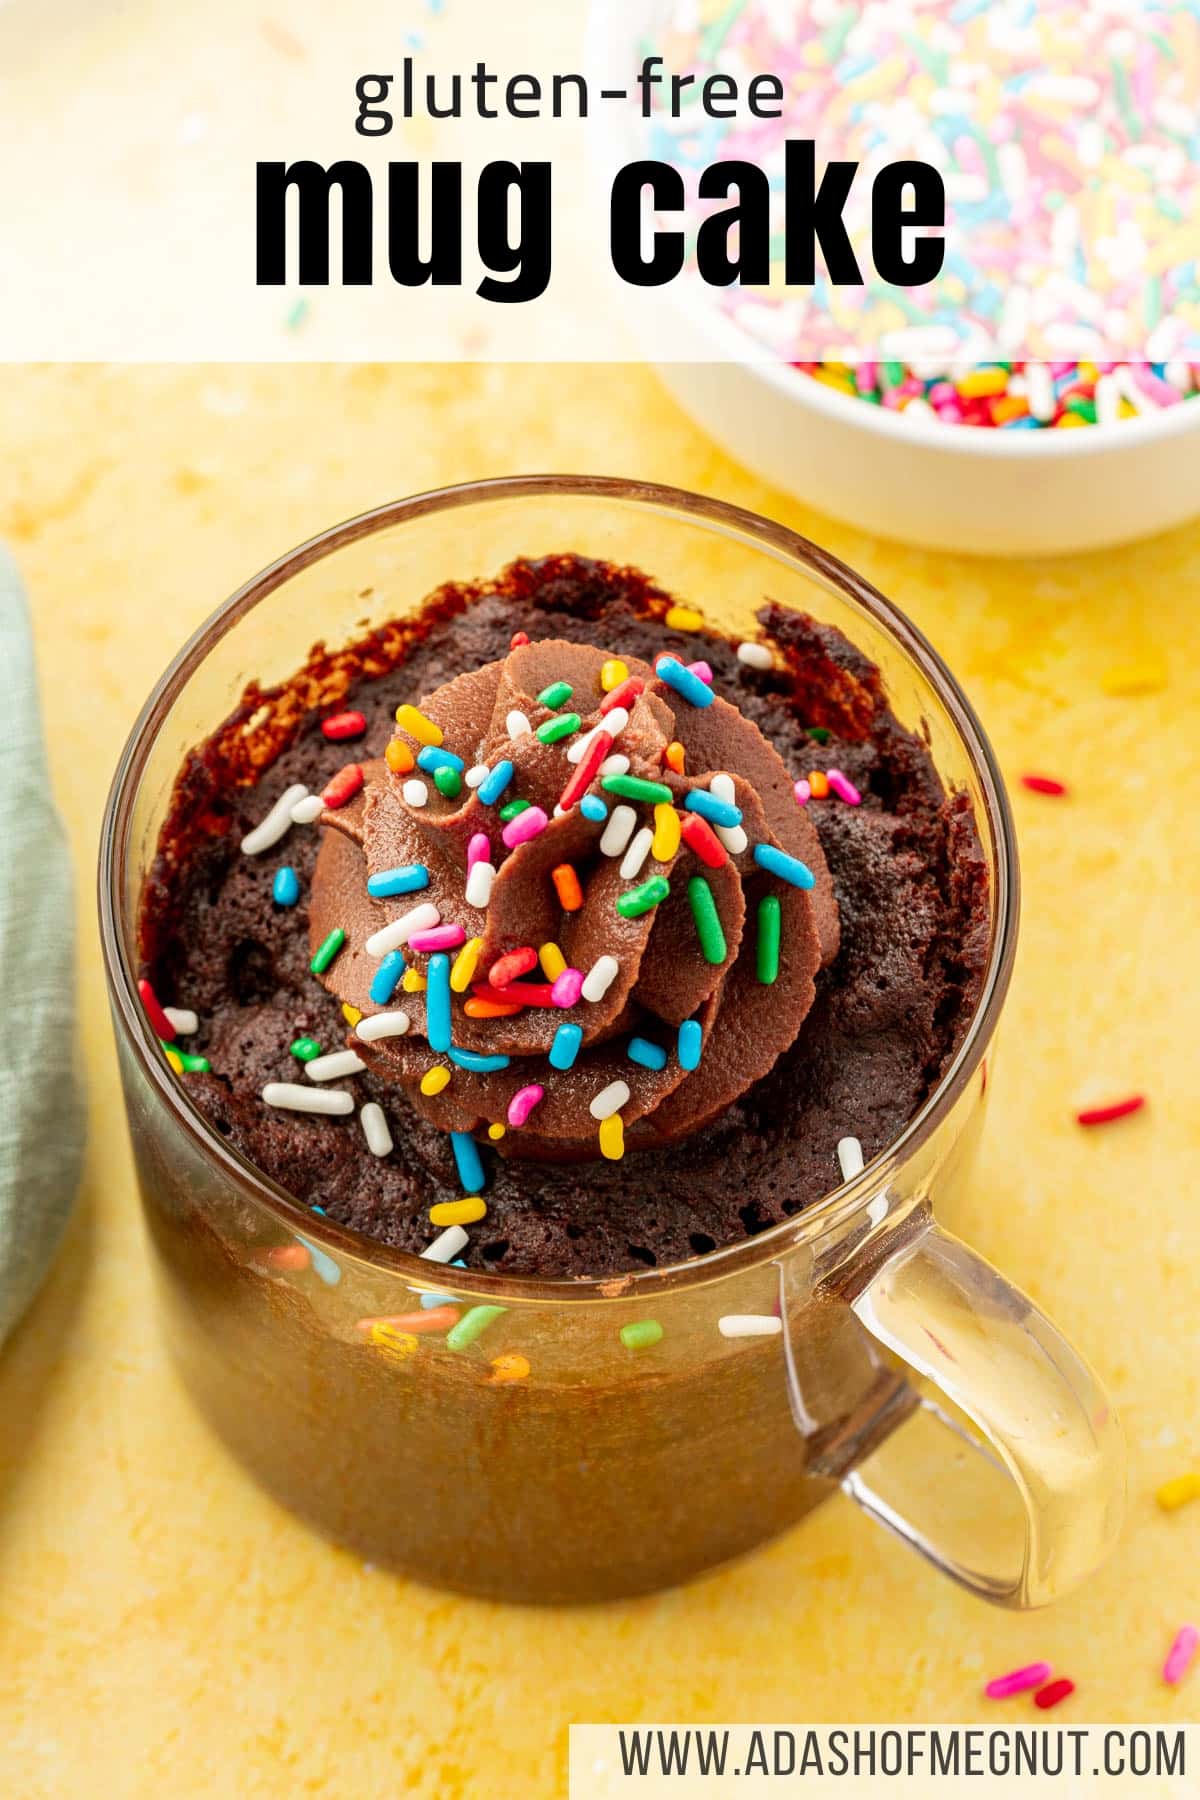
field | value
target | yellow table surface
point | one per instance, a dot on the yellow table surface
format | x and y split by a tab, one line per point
166	1629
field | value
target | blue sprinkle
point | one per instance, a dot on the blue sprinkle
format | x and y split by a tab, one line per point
429	1301
717	812
565	1047
691	1042
286	888
788	868
386	978
647	1055
593	807
431	758
437	1004
324	1265
390	882
495	782
477	1062
689	687
466	1156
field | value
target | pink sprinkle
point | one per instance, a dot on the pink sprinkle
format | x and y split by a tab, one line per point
802	792
844	789
1179	1657
479	849
702	670
1154	385
1017	1681
438	937
523	1103
566	988
528	824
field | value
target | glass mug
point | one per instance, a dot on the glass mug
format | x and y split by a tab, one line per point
548	1460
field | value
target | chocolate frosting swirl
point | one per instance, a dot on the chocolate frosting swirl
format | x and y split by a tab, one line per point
662	978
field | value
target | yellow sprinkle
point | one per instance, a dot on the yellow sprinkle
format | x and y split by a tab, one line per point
418	726
175	1060
495	1132
350	1013
1146	677
465	962
1069	421
396	1345
613	673
684	618
818	783
509	1368
982	382
458	1212
552	960
1178	1492
612	1137
412	983
665	841
435	1079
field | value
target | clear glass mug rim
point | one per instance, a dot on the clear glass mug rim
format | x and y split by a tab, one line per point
767	1246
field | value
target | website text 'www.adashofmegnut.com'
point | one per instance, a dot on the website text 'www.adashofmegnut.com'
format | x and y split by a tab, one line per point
897	1760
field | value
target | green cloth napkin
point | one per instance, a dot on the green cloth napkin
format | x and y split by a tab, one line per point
41	1114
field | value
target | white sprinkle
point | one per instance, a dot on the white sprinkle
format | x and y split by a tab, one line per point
274	826
518	726
618	831
415	792
474	776
1042	401
335	1065
850	1158
446	1247
382	1025
615	765
185	1023
479	884
637	853
755	656
614	722
600	977
1108	401
375	1129
739	1325
609	1100
577	750
308	810
391	937
722	786
733	837
289	1096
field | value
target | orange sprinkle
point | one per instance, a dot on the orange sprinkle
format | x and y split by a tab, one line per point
399	757
673	757
566	886
818	784
438	1318
509	1368
287	1256
488	1009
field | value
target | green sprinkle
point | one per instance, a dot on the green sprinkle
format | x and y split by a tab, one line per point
556	695
833	41
448	782
893	373
195	1065
708	920
638	900
562	727
819	732
297	314
638	1336
512	810
473	1322
304	1049
1086	409
768	940
328	951
632	787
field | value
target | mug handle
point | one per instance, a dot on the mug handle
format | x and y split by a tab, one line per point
1051	1428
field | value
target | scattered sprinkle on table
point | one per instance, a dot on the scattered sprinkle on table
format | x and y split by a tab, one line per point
1116	1109
1018	1681
1179	1491
1044	784
1053	1693
1181	1654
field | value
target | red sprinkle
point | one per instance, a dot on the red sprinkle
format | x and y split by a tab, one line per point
344	725
343	787
700	838
585	774
511	966
1053	1692
1104	1115
1043	784
525	993
625	695
159	1022
518	640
